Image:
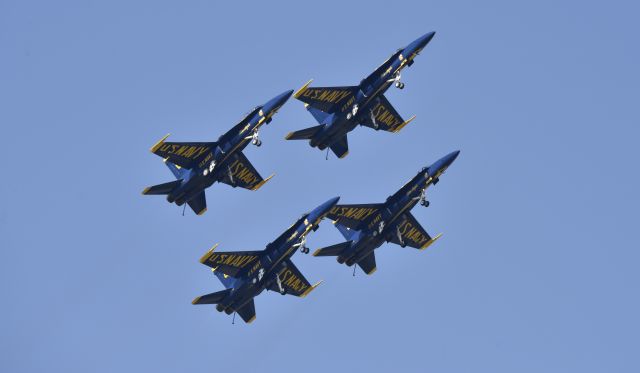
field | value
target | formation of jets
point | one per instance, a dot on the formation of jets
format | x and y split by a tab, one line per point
338	110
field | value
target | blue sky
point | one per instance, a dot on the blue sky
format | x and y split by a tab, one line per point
537	268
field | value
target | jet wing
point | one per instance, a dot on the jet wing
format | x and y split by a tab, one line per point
410	233
352	216
183	154
230	263
241	173
240	127
293	282
198	203
384	117
327	99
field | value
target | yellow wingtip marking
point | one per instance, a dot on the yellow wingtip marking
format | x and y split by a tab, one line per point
260	184
315	253
302	89
202	212
404	124
373	270
344	155
251	319
428	243
195	300
208	254
289	135
309	290
159	143
146	190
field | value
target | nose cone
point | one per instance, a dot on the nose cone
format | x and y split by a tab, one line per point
421	42
275	103
323	209
436	169
425	39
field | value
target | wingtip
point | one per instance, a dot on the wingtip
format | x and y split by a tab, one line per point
288	136
431	241
315	253
404	124
208	254
345	154
202	212
372	271
260	184
251	319
311	288
302	89
159	143
146	190
195	300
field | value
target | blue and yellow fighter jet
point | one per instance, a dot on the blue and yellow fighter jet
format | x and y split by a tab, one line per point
367	227
246	274
340	109
197	165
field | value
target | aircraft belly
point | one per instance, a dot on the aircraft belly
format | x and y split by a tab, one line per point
244	295
238	147
366	244
381	90
406	206
179	194
338	133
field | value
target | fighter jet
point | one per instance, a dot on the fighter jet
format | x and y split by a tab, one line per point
366	227
340	109
246	274
197	165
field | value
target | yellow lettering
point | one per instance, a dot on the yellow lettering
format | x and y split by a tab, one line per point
181	150
323	95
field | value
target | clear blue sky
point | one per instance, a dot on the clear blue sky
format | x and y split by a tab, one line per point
537	270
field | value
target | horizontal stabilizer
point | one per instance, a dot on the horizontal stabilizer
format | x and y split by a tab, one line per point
368	263
198	203
341	147
213	298
247	312
304	134
159	189
333	250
